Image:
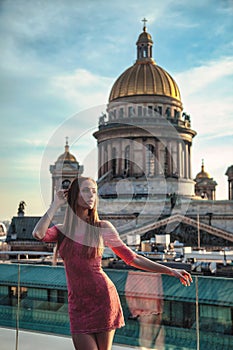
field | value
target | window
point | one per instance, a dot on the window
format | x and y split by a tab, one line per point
160	109
65	184
121	112
150	111
150	160
166	162
130	111
114	161
139	111
127	160
105	159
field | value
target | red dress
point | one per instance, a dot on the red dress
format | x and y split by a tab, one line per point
93	301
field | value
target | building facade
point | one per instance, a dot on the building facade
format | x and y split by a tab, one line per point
145	135
205	186
145	157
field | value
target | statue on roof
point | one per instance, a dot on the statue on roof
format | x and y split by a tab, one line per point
21	208
102	119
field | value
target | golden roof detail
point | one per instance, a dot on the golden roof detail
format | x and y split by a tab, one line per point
203	174
144	78
66	156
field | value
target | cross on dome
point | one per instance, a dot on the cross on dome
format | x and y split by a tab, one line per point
144	20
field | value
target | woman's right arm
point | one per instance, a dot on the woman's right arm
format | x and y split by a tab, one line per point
44	222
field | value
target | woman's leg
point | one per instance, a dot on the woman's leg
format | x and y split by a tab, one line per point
85	341
104	340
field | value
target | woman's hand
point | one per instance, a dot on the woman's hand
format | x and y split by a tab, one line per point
184	277
44	222
60	198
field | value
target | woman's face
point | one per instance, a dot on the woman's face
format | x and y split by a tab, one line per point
87	195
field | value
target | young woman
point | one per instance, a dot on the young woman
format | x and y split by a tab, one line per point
94	307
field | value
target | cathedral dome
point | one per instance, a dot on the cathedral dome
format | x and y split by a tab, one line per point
66	156
145	77
203	174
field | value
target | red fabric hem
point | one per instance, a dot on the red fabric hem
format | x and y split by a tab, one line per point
97	330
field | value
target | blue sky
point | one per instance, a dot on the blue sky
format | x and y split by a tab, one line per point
59	60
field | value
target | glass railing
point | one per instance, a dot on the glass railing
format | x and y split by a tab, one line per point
159	312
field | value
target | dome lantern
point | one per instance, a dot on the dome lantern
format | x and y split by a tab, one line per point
144	45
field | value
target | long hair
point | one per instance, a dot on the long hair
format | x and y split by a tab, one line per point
93	241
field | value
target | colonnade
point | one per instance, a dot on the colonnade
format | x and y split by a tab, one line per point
152	157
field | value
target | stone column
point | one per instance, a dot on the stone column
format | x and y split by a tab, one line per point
169	160
99	160
181	159
53	188
190	161
186	174
178	158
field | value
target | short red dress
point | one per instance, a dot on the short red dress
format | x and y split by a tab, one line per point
93	302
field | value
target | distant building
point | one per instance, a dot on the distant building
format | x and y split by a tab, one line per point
65	170
205	186
19	235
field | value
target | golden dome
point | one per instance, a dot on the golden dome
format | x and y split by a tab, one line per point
66	156
203	174
145	77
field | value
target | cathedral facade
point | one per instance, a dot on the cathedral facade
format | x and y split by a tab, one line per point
145	136
145	159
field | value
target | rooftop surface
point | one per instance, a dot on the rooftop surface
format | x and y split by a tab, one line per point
39	341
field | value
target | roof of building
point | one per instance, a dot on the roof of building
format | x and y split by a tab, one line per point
67	156
211	290
203	174
22	226
144	79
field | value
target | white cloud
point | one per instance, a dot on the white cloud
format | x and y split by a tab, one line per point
205	91
82	88
199	78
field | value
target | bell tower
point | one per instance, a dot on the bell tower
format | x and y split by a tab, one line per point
205	186
65	170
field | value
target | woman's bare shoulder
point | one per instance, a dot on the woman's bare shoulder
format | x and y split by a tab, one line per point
105	224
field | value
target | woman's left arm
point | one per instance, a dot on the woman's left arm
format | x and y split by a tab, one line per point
143	263
113	240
